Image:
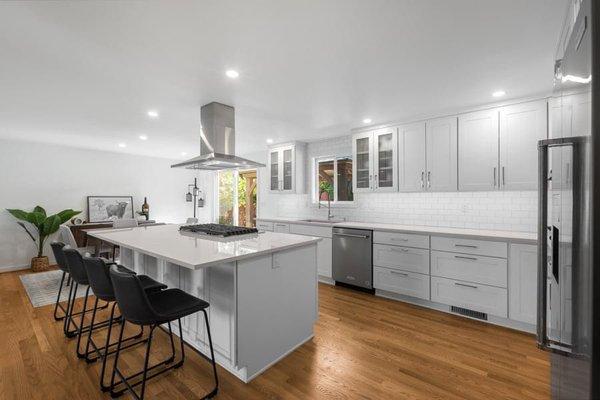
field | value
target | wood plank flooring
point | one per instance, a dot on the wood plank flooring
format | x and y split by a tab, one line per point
364	347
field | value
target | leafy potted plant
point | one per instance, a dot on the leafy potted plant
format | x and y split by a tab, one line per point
45	225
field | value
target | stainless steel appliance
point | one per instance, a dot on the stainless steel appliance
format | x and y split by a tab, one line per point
353	257
568	285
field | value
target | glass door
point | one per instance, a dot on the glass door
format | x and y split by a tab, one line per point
288	170
385	160
363	174
274	170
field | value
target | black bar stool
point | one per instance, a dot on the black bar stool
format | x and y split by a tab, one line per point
99	279
79	276
154	309
57	249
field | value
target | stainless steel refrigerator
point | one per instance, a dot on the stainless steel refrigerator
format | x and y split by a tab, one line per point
567	163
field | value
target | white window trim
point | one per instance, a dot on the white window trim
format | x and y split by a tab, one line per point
315	190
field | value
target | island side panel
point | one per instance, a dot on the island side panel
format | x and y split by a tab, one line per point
277	306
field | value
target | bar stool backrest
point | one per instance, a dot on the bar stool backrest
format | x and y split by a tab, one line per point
132	299
75	263
59	255
99	278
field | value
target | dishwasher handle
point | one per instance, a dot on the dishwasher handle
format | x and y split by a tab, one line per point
352	235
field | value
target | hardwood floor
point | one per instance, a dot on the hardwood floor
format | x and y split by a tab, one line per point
364	347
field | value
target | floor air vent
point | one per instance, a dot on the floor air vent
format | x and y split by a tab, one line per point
469	313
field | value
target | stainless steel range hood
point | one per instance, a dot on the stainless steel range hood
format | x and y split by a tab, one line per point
217	141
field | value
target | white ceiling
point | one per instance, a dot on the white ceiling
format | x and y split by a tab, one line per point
85	73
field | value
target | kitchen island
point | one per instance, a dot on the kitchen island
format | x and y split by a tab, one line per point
262	288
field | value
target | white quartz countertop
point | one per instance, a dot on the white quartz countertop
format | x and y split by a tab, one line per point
195	250
524	237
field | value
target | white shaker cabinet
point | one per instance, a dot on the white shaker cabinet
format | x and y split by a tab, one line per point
478	150
442	165
412	164
286	168
522	283
521	127
376	164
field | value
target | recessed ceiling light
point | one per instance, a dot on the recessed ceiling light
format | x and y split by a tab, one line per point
367	121
183	153
152	113
143	137
499	93
232	73
122	145
269	141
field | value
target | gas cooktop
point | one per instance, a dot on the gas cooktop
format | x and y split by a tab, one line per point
218	229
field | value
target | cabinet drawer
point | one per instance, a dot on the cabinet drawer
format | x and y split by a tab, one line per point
466	267
264	226
402	282
469	246
488	299
401	239
281	227
311	230
403	258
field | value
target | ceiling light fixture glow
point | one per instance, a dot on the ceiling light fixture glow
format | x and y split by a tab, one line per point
122	145
499	93
143	137
576	79
269	141
183	153
152	113
367	121
232	73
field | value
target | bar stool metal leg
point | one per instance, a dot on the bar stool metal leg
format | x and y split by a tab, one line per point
212	356
58	305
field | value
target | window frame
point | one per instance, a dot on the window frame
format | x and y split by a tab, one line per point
236	177
314	180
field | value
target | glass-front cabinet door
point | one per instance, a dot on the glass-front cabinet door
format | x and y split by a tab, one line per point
362	146
274	170
288	169
385	159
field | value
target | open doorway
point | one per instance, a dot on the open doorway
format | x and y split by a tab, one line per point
237	202
247	189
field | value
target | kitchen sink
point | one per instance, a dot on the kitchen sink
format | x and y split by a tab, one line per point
323	221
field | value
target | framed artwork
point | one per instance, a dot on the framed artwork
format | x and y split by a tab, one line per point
109	208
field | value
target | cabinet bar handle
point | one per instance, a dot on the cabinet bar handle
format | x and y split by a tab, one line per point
470	246
494	176
503	180
399	273
465	285
400	239
398	250
466	258
422	179
428	179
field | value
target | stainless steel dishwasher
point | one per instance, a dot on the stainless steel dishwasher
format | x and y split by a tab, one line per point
353	257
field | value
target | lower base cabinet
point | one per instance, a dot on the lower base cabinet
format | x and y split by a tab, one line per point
483	298
401	282
522	283
324	257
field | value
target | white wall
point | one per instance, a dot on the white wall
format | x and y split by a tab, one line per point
59	177
498	210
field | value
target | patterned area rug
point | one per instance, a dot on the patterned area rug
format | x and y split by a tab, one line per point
42	287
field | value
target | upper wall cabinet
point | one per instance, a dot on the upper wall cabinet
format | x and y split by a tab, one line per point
442	165
412	165
478	150
286	168
427	158
570	115
497	149
376	164
521	127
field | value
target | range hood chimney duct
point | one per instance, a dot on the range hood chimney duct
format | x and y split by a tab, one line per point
217	141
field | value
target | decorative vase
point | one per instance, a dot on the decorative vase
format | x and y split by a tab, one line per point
39	264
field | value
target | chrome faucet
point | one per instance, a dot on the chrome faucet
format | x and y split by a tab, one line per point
329	214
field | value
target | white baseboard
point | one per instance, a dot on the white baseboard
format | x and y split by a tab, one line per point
10	268
326	279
